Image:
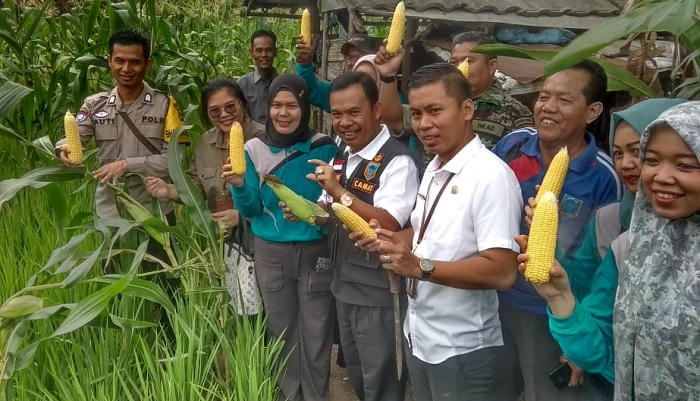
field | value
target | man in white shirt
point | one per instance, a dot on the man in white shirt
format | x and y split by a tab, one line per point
376	176
460	248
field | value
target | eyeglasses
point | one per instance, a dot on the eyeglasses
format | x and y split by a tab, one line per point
229	108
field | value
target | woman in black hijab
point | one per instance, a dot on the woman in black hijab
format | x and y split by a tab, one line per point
291	263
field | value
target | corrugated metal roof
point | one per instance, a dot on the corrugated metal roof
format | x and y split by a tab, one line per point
581	14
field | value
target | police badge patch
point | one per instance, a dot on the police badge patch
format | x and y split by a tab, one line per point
82	115
102	114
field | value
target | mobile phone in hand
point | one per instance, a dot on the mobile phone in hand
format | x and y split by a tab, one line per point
561	376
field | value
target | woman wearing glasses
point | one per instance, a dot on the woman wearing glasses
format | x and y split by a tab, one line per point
222	103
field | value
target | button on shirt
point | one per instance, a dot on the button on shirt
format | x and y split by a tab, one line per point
479	210
256	90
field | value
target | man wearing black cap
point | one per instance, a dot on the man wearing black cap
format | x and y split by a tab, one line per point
355	47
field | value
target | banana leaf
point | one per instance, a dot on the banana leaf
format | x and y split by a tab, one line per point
619	79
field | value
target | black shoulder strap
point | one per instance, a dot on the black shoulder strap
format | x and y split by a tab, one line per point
138	133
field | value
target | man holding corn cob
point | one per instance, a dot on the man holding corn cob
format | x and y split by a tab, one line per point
569	101
460	248
375	176
131	125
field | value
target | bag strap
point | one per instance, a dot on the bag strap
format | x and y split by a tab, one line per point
138	133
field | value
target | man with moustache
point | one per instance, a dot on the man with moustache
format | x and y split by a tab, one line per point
256	84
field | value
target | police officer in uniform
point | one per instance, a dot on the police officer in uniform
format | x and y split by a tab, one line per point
375	176
132	125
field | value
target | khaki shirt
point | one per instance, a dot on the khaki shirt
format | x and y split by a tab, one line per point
208	159
98	118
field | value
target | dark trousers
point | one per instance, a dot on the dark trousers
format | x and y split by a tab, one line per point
466	377
298	305
367	337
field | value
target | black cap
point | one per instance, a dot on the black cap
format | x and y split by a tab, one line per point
364	43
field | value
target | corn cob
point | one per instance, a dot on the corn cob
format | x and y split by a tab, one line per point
543	239
22	305
235	149
463	67
75	148
396	32
556	173
173	119
306	27
300	207
352	220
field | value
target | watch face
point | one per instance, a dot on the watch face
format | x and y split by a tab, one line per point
427	265
346	199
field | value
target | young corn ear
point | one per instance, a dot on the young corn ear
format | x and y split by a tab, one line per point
22	305
396	32
542	241
352	220
306	26
235	148
300	207
463	67
75	147
556	173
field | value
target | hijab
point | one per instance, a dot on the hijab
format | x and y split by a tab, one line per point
657	308
297	86
638	117
368	58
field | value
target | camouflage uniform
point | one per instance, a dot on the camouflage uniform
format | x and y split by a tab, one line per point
98	118
497	114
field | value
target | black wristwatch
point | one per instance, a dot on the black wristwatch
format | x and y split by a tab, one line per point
426	267
387	78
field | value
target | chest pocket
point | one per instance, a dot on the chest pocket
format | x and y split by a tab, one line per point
152	128
106	136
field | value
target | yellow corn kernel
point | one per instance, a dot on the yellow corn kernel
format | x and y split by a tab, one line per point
396	32
543	239
306	27
353	220
235	149
75	148
463	67
556	173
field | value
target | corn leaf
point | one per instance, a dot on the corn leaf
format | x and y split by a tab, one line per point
24	358
619	79
38	178
11	94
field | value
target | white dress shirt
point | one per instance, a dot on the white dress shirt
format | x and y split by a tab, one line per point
480	209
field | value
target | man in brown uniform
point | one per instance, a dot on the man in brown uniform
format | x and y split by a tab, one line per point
129	125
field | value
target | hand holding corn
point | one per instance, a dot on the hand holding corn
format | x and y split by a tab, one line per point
388	64
556	291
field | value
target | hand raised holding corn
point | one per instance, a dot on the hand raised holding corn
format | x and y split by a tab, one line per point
556	291
229	176
388	64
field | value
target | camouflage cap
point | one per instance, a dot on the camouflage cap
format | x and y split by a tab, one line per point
364	43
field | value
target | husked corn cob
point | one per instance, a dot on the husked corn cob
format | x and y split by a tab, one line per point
75	148
302	208
543	239
556	173
353	220
235	148
463	67
306	26
396	32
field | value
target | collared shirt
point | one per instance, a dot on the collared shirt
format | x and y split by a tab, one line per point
479	210
209	157
591	182
398	183
257	92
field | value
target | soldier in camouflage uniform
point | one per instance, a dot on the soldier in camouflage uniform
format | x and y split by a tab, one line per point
123	154
496	113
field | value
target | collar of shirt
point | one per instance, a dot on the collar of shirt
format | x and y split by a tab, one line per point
457	163
369	151
147	96
580	164
257	76
493	95
303	146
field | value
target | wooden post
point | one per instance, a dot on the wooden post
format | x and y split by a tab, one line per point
411	29
325	45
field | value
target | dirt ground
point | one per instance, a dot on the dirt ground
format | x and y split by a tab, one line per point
340	387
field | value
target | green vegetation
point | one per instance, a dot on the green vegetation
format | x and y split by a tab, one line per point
67	331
